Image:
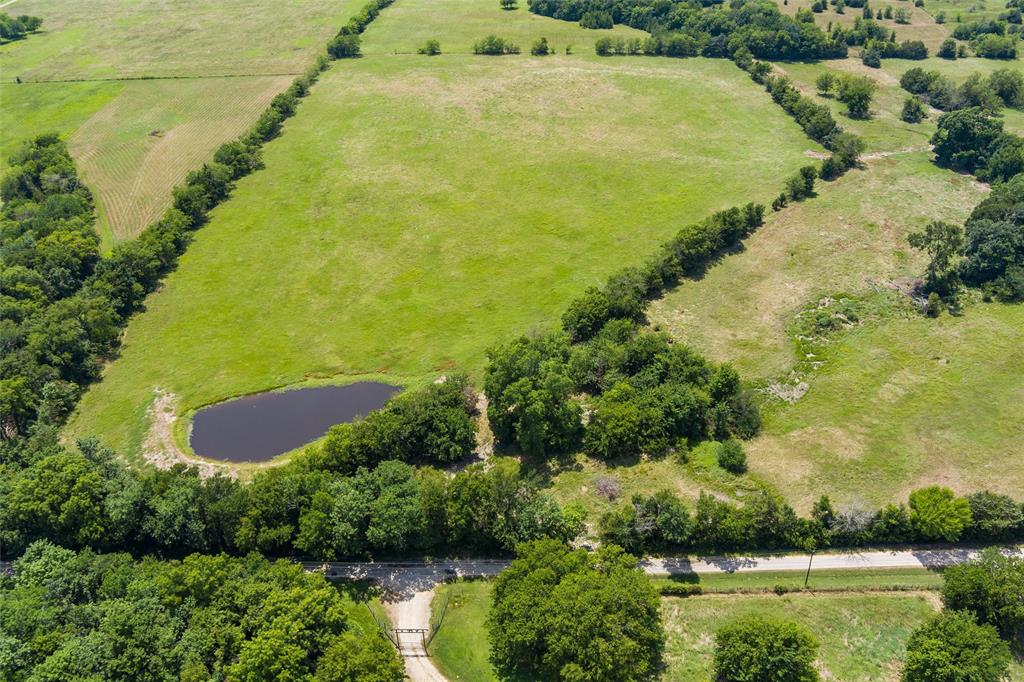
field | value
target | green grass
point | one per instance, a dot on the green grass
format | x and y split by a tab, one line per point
460	649
418	210
901	404
862	635
851	237
30	109
458	24
575	482
968	10
115	39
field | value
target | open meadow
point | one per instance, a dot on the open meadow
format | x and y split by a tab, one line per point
861	631
88	76
418	210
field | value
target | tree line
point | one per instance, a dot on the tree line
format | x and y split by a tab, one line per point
993	38
692	27
1001	88
663	523
16	28
68	615
62	305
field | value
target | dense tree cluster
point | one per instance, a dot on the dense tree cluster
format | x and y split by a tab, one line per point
16	28
992	39
662	522
765	648
695	27
562	614
994	246
878	42
646	394
88	497
85	616
972	639
432	425
1001	88
974	141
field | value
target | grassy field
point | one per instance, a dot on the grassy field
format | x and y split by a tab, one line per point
114	39
135	139
922	24
459	649
905	403
848	238
862	635
862	632
458	24
446	204
141	144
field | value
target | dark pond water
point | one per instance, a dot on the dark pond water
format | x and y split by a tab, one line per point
259	427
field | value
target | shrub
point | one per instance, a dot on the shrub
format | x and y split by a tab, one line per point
765	648
344	46
493	45
913	110
732	457
948	49
825	82
952	646
938	514
995	46
431	48
991	589
540	48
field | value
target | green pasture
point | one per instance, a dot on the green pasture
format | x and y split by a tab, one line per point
904	403
417	211
850	238
146	38
862	635
458	24
862	632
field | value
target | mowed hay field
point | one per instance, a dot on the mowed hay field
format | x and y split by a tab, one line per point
418	210
144	141
135	139
91	39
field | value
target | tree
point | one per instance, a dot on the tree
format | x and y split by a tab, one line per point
755	648
731	456
569	614
952	647
947	50
943	242
360	659
508	4
856	93
990	588
825	83
966	138
540	48
938	514
914	110
430	48
344	46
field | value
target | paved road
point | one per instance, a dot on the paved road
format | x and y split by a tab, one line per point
404	578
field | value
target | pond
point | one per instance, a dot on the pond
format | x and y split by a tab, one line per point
258	427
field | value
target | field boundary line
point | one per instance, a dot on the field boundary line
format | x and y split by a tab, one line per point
114	79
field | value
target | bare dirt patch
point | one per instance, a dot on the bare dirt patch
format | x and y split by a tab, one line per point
159	448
